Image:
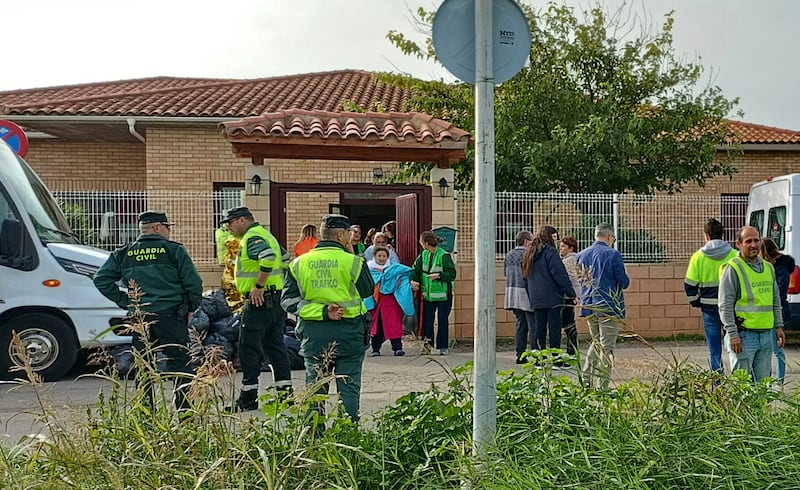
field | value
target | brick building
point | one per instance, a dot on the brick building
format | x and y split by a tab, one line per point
163	134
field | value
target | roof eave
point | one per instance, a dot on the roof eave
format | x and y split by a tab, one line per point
762	147
22	118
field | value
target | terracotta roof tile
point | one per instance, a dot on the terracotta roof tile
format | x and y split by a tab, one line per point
222	97
412	126
749	133
204	97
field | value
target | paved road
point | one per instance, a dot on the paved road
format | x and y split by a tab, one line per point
385	379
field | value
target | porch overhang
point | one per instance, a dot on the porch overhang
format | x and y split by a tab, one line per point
317	135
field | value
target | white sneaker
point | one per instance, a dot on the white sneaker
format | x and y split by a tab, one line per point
443	352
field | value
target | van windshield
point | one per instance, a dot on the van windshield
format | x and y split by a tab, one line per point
35	200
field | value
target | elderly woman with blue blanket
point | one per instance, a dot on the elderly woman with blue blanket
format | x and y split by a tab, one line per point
391	300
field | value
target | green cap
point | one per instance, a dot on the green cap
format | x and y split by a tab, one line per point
240	212
153	217
336	221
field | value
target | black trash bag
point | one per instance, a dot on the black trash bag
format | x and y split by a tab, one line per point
123	359
296	361
215	305
228	327
411	324
161	362
199	321
225	347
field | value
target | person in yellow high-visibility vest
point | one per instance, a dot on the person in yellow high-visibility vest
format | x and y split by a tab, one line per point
221	237
750	307
325	288
259	275
702	287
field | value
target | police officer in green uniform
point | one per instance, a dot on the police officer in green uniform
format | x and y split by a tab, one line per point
171	285
259	273
750	307
325	288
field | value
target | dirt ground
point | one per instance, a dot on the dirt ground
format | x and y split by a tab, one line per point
385	379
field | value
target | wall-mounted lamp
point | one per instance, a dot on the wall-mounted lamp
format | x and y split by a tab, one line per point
255	185
443	187
377	174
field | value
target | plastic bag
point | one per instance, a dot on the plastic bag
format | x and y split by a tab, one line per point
218	341
199	321
227	327
215	305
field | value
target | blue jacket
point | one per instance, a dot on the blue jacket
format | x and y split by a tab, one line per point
603	279
547	282
394	280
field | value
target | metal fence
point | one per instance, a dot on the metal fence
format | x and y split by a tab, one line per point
109	219
650	228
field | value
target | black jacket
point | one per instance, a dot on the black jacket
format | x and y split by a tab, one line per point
547	281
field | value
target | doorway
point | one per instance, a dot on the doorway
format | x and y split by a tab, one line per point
366	205
367	213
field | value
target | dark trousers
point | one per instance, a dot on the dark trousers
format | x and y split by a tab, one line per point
261	335
429	311
347	369
547	320
569	326
169	334
379	338
524	331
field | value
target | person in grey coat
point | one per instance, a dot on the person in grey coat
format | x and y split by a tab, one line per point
548	287
568	249
516	299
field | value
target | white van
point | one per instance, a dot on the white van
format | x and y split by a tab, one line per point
774	208
46	291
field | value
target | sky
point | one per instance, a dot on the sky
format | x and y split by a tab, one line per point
749	47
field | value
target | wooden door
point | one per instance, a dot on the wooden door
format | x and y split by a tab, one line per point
407	239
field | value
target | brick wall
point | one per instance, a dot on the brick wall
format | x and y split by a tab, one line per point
88	166
190	159
751	167
655	301
303	208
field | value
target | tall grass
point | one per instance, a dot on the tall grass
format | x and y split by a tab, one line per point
687	429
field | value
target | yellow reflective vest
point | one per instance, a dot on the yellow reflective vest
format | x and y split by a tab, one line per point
328	275
247	269
754	305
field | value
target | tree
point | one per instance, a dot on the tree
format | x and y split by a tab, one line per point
605	106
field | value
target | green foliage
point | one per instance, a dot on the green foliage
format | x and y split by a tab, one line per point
79	221
688	429
605	105
635	245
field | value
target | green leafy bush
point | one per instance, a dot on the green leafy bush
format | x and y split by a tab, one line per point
636	246
79	222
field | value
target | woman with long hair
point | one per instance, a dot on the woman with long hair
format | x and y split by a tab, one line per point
548	287
390	230
368	239
784	266
433	274
308	240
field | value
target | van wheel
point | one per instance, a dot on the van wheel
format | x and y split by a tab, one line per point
47	341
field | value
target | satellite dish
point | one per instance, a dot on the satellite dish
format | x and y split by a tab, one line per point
454	38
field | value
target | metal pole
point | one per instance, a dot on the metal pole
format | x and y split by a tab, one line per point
615	211
484	422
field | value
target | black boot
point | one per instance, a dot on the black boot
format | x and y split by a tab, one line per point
247	401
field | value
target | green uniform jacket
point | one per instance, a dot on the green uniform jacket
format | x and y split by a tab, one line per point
162	269
350	334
